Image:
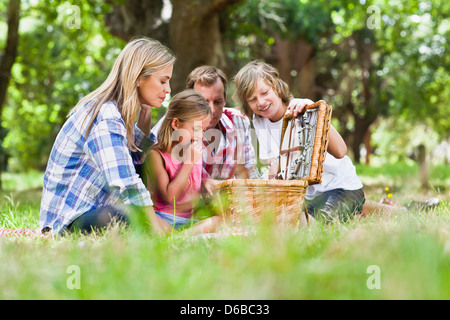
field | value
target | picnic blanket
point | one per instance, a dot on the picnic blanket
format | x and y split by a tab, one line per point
19	232
28	232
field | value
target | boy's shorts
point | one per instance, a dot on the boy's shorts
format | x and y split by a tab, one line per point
337	204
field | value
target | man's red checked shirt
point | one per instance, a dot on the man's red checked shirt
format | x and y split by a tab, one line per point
235	154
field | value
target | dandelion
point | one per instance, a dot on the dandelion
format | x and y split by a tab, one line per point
386	189
389	195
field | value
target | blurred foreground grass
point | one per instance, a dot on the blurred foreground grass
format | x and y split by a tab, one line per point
410	253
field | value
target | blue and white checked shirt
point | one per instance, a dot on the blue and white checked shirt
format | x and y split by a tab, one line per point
85	174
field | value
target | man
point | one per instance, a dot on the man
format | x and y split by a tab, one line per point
229	152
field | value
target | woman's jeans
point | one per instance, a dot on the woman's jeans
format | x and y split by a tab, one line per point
102	218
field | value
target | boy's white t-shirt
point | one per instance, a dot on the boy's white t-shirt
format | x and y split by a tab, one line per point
337	173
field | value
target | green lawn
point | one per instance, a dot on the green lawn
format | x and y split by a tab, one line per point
405	256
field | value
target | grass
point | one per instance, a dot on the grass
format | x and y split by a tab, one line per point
411	251
403	181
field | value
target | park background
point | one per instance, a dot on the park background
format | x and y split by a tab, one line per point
382	65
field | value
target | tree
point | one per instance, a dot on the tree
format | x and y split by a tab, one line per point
284	33
348	79
7	60
63	54
369	59
192	31
408	78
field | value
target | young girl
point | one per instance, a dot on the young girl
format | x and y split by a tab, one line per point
265	98
91	169
174	165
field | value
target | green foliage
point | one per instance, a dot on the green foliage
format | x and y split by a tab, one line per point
251	26
396	139
417	69
22	181
408	63
64	53
373	58
390	61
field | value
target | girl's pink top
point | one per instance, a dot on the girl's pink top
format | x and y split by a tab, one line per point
191	190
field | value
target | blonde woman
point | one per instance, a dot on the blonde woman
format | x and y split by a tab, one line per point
174	166
91	170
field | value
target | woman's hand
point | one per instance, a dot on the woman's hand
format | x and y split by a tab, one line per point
297	106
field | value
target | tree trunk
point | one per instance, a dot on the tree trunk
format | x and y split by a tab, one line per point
423	168
133	18
357	140
295	62
304	65
368	146
8	57
369	114
192	33
195	38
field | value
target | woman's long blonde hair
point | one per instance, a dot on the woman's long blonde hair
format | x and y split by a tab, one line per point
185	106
140	58
246	79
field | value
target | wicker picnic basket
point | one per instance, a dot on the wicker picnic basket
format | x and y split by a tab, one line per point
248	201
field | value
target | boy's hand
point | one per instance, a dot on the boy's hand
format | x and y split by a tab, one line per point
297	106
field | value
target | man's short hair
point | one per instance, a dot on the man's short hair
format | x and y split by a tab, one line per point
207	76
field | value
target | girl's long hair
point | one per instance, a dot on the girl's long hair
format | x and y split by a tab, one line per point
185	106
140	58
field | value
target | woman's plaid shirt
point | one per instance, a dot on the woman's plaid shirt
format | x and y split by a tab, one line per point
86	173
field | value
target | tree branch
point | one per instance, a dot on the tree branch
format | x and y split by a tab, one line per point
213	7
136	17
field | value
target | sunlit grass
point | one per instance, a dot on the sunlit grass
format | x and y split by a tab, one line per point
411	250
319	262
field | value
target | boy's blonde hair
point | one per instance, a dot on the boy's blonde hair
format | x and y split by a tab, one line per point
185	106
139	59
246	79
